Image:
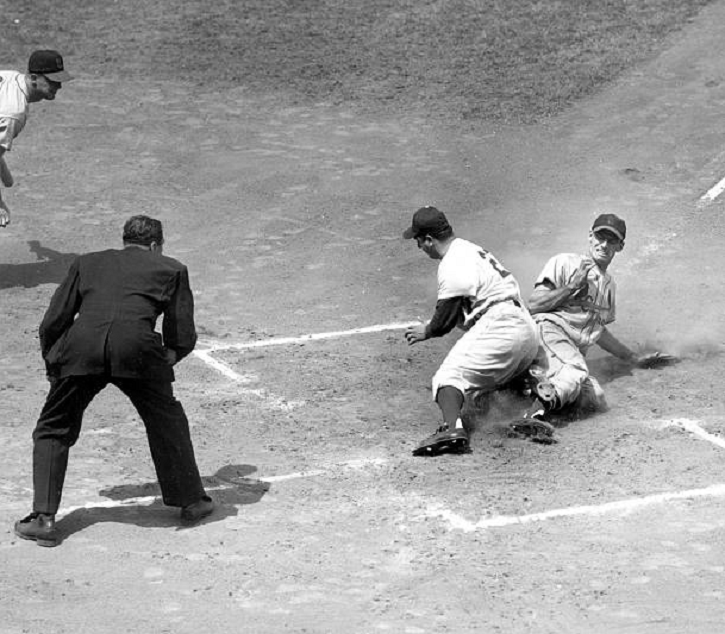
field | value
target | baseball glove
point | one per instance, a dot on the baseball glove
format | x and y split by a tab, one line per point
655	360
534	429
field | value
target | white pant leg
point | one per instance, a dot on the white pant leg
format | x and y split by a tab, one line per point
591	397
566	367
501	345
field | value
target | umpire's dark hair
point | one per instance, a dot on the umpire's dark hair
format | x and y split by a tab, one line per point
143	230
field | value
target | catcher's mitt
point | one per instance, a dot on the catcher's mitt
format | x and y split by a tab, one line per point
656	360
534	429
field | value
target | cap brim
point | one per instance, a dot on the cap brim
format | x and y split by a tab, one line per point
611	230
60	76
409	233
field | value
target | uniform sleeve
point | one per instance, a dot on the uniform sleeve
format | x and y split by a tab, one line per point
456	279
555	274
446	316
178	329
8	131
62	310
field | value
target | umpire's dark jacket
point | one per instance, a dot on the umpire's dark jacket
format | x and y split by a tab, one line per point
101	319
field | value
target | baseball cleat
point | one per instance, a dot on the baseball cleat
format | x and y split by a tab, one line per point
543	389
444	440
534	429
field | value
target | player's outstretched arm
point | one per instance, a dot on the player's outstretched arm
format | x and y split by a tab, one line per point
609	343
548	297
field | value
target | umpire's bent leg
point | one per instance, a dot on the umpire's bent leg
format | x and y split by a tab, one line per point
57	430
167	429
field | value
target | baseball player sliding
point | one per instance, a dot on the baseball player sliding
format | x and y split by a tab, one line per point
477	294
17	90
573	304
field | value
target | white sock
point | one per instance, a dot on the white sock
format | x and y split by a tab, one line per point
459	423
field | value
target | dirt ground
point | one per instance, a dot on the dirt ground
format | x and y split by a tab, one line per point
289	218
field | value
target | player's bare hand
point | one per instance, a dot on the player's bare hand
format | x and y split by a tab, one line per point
4	215
414	334
578	279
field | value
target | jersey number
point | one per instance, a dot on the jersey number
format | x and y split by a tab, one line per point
494	263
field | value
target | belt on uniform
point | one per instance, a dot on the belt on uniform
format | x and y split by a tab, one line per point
478	316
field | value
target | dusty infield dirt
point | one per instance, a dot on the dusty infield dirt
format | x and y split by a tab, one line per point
289	218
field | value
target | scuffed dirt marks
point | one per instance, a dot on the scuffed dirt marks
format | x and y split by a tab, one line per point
355	391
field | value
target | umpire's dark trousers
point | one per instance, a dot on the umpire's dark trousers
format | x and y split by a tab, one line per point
167	429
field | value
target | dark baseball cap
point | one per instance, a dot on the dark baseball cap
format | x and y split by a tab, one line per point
427	221
49	64
612	223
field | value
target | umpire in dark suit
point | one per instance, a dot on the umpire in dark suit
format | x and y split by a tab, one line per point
100	329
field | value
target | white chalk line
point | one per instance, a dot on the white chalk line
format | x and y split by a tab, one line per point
271	400
223	368
148	499
716	490
694	428
216	346
712	193
205	355
460	523
354	464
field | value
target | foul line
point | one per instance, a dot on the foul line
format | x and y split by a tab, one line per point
460	523
214	346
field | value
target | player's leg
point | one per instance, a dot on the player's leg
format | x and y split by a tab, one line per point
172	451
560	372
500	346
57	430
591	397
567	368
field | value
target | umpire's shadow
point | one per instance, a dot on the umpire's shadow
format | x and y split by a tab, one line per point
50	267
230	487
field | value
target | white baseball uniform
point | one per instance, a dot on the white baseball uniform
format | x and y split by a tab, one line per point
568	331
500	339
13	106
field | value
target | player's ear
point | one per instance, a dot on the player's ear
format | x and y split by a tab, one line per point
620	246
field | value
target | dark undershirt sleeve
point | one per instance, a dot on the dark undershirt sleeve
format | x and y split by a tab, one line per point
445	317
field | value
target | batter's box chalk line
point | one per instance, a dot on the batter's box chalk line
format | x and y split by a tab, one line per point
272	401
695	429
216	346
206	353
458	522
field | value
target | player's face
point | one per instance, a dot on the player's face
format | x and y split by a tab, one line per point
45	88
603	246
426	244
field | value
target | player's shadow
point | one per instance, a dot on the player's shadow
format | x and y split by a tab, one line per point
230	487
50	268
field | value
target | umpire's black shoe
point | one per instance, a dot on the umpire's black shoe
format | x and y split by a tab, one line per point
198	510
39	527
